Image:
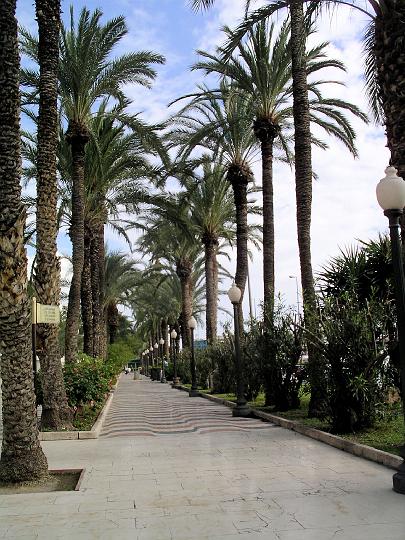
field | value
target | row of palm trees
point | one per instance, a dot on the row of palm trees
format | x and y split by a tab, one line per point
76	75
102	158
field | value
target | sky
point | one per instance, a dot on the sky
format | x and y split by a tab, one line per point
344	203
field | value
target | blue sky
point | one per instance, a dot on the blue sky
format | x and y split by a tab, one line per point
344	205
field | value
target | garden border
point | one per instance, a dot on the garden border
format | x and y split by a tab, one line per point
75	435
360	450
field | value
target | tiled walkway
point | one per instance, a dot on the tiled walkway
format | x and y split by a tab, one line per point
250	483
146	408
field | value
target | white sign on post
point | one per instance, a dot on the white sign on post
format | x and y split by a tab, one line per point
48	314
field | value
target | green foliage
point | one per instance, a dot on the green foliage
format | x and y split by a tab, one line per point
282	346
86	416
354	345
87	380
119	354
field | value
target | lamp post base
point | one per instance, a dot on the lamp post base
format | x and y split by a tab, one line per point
193	392
398	480
242	410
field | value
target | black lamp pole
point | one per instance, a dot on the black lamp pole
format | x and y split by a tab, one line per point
163	379
193	391
394	217
242	408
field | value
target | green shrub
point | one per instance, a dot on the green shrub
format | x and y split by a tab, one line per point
87	380
282	347
354	347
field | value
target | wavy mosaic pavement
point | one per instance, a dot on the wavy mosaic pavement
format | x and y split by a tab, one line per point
147	408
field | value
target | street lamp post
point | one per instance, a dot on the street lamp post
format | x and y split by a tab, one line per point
156	360
391	198
147	361
242	408
150	360
298	294
173	335
192	324
163	378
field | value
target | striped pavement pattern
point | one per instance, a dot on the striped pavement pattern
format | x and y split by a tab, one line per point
146	408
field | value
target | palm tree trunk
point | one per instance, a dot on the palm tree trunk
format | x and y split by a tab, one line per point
390	57
21	455
268	225
166	337
239	179
86	298
184	270
211	287
77	136
55	411
101	249
112	321
303	191
96	264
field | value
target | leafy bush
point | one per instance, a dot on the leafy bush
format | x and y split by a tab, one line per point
282	350
87	380
354	338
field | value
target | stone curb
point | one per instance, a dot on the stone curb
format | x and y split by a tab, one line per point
75	435
360	450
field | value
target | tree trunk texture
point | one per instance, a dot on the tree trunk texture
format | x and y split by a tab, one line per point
239	178
22	458
101	248
303	190
77	136
56	413
96	265
211	286
166	337
86	298
389	51
184	271
266	132
112	322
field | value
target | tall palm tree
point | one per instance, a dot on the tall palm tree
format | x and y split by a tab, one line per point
262	69
210	215
88	73
158	297
21	455
303	177
173	250
55	410
385	57
116	167
121	279
220	121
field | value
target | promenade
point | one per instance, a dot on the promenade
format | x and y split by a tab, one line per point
170	467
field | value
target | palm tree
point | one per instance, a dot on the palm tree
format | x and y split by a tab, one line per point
303	176
173	250
263	70
158	297
220	121
87	74
121	278
210	215
385	58
21	455
116	167
55	410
